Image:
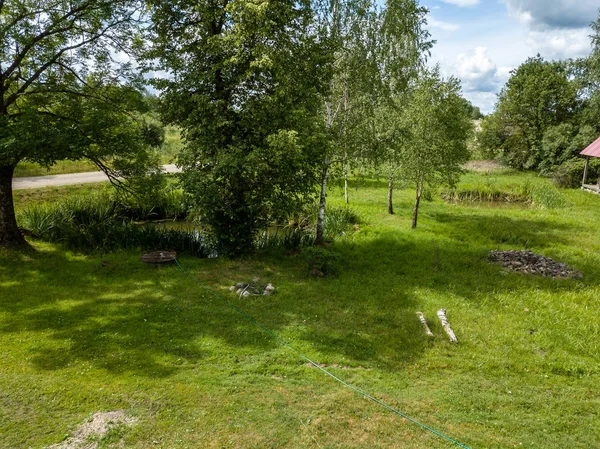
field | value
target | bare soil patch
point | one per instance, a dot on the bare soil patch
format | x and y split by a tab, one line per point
92	430
483	166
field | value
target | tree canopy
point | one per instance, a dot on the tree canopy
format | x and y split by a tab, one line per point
245	84
438	128
539	94
62	91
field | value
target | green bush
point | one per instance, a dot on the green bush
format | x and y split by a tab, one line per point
338	221
320	261
570	173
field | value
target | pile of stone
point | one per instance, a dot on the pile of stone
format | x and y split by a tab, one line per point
531	263
246	290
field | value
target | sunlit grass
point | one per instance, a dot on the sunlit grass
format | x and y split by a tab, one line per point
84	334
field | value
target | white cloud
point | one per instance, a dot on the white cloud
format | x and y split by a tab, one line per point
462	3
560	44
446	26
544	14
478	72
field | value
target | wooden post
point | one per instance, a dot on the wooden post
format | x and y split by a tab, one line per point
446	325
585	169
422	319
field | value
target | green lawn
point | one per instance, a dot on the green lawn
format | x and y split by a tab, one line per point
81	334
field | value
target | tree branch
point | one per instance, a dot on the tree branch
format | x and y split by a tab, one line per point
36	75
50	31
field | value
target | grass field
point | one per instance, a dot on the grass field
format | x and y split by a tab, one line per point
82	334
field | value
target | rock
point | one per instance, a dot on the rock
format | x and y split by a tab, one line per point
528	262
245	290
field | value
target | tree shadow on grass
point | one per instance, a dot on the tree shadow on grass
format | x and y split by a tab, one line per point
123	317
126	317
502	230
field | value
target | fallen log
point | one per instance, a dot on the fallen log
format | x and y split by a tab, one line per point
422	319
446	325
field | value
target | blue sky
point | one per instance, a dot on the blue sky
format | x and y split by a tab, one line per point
481	41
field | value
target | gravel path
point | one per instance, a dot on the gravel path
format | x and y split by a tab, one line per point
35	182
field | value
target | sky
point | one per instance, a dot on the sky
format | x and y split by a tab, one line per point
481	41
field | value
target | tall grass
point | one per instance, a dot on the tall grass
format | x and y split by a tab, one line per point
300	229
542	196
100	223
548	197
512	193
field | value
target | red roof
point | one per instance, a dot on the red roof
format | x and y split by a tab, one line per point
593	150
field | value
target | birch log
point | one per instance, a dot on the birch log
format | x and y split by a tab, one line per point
422	319
446	325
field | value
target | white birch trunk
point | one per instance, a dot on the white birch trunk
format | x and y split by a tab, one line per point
346	178
324	176
446	325
322	201
390	194
422	319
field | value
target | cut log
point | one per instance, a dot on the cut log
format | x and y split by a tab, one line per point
422	319
446	325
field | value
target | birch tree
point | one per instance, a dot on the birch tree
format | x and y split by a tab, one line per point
439	127
376	52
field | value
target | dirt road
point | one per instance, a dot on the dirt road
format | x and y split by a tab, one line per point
35	182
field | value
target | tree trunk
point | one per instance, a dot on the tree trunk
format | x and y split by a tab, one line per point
322	200
10	235
390	195
346	179
416	210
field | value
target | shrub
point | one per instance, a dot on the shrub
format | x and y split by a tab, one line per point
570	173
338	221
320	261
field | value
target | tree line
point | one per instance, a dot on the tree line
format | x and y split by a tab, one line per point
270	97
546	113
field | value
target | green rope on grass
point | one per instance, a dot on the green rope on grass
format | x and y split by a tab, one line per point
316	365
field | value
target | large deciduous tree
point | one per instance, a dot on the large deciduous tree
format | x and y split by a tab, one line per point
591	79
245	79
539	95
61	93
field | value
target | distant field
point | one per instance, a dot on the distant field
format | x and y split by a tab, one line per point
25	169
86	334
168	152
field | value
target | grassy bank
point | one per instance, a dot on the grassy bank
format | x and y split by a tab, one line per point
82	334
